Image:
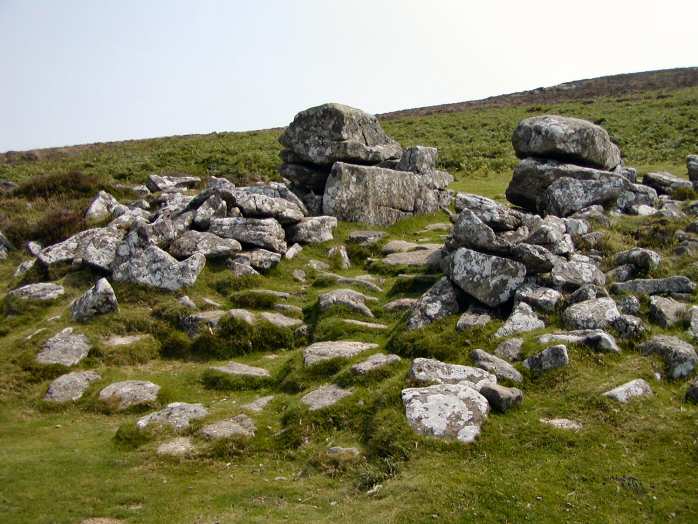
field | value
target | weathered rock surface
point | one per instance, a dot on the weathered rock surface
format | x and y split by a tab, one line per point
539	297
66	348
168	183
446	411
41	292
633	389
562	423
425	371
312	230
365	238
377	361
566	196
129	393
98	300
502	398
490	279
498	217
331	132
666	311
71	386
379	196
157	268
495	365
259	404
597	313
471	320
509	349
101	208
177	447
348	298
640	258
566	138
440	301
596	339
521	320
324	396
572	274
266	233
240	426
242	370
257	205
418	159
550	358
666	183
656	286
430	258
176	415
208	244
680	357
320	351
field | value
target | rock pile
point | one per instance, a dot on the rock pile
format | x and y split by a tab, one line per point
340	162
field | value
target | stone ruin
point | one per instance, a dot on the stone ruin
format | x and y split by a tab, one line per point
340	162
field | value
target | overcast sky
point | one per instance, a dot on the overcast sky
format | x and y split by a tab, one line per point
74	71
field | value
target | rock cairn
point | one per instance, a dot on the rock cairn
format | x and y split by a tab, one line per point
340	162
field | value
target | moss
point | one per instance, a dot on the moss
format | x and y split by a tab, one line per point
412	285
129	437
388	436
253	300
174	344
228	284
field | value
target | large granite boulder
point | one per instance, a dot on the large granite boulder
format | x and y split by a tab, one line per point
380	196
490	279
565	138
454	411
566	196
98	300
331	132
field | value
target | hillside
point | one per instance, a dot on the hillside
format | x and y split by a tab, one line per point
357	459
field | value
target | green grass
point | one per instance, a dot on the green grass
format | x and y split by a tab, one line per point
634	463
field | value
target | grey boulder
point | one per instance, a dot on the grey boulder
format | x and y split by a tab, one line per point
71	386
98	300
176	415
321	351
666	183
208	244
666	311
66	348
499	367
521	320
312	230
156	268
596	339
502	398
656	286
596	313
120	396
626	392
440	301
680	356
550	358
266	233
41	292
425	371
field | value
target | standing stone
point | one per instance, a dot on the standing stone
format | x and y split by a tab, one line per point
446	411
71	386
629	390
418	159
490	279
550	358
65	348
98	300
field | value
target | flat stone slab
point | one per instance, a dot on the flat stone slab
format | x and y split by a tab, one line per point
562	423
125	340
280	320
680	356
377	361
324	396
450	411
258	404
348	298
41	292
328	350
425	371
596	339
400	304
633	389
495	365
71	386
66	348
402	246
178	447
176	415
243	370
420	257
128	393
365	325
238	426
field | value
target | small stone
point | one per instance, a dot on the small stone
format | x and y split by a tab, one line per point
550	358
365	238
238	369
324	396
65	348
238	426
541	298
365	325
521	320
499	367
176	415
42	292
640	258
71	386
594	338
634	388
377	361
400	304
348	298
426	371
629	305
259	404
470	320
293	251
680	357
509	349
562	423
120	396
502	398
178	447
320	351
100	299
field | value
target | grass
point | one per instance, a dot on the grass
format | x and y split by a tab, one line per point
630	463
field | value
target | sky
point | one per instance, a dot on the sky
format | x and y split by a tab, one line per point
79	71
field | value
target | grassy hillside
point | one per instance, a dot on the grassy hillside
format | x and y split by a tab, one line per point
634	463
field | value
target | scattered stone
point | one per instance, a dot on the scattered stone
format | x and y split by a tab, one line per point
400	304
71	386
120	396
168	183
425	371
440	301
365	325
243	370
259	404
666	183
298	275
208	244
470	320
366	281
656	286
41	292
521	320
324	396
550	358
238	426
65	348
176	415
266	233
640	258
502	398
101	208
562	423
293	251
500	368
680	357
430	258
541	298
666	311
157	268
446	411
100	299
633	389
320	351
312	230
365	238
597	313
595	339
572	274
377	361
490	279
177	447
128	340
340	254
348	298
509	349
